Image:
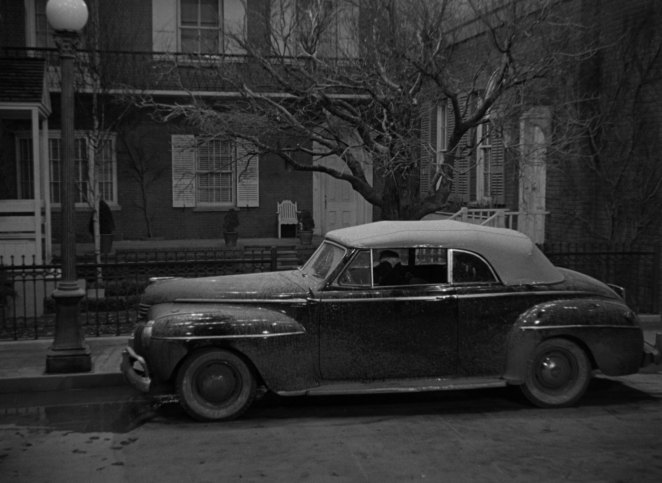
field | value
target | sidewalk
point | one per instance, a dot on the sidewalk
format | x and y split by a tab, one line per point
23	363
23	366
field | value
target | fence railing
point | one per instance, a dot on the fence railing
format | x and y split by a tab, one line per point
113	287
635	268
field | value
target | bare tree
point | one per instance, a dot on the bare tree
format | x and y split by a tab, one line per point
144	169
355	82
614	133
101	73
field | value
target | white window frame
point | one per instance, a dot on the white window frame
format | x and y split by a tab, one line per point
55	181
35	23
187	170
218	28
222	169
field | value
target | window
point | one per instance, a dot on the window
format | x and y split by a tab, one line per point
37	30
200	26
329	28
430	266
478	174
470	268
396	267
324	261
103	160
216	174
358	272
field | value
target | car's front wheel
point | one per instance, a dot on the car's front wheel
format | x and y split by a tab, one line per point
215	384
557	375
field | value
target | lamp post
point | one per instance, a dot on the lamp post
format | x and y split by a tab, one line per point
69	353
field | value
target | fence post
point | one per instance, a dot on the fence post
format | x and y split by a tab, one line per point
274	258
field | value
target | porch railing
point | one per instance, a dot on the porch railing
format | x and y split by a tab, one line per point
495	217
167	72
531	223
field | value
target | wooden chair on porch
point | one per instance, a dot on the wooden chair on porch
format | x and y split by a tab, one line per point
287	215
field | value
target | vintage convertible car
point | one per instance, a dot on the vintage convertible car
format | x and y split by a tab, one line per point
472	307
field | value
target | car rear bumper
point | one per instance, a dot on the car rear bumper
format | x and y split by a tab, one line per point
653	352
135	370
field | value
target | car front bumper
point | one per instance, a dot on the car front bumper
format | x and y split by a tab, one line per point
135	370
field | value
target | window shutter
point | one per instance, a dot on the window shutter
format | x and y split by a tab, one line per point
426	156
497	182
248	175
183	170
463	161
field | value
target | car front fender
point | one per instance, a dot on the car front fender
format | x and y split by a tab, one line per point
606	329
180	328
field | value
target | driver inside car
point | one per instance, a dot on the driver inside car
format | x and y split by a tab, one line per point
390	270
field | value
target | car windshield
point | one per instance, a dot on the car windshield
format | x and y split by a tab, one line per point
324	260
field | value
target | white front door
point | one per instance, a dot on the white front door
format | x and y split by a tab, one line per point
340	202
336	204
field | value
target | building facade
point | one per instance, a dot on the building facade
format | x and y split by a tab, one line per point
164	179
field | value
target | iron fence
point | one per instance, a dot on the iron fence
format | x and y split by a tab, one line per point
635	268
113	287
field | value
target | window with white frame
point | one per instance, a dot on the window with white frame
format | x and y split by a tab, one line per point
213	173
38	32
200	26
102	160
333	24
478	174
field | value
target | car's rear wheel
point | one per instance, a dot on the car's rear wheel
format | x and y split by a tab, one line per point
557	375
215	384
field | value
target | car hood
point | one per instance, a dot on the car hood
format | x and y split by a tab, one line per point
269	285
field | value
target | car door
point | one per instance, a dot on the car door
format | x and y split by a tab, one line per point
487	311
370	332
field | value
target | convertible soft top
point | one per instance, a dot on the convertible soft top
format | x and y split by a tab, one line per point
513	255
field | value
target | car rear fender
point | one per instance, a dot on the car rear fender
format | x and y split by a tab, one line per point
606	329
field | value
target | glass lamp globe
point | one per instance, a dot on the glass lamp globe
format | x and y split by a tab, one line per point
66	15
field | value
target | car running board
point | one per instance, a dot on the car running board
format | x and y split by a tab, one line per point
388	386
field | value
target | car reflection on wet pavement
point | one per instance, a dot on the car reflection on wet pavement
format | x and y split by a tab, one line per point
121	410
115	410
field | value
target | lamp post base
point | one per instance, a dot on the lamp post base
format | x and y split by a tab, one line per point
68	361
68	353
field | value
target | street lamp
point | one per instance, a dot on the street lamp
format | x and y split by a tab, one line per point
69	353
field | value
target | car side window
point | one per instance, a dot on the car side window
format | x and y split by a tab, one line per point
390	267
430	266
358	271
470	268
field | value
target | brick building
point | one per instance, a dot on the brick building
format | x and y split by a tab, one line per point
159	182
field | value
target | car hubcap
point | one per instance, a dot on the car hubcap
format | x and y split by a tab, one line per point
555	371
216	382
